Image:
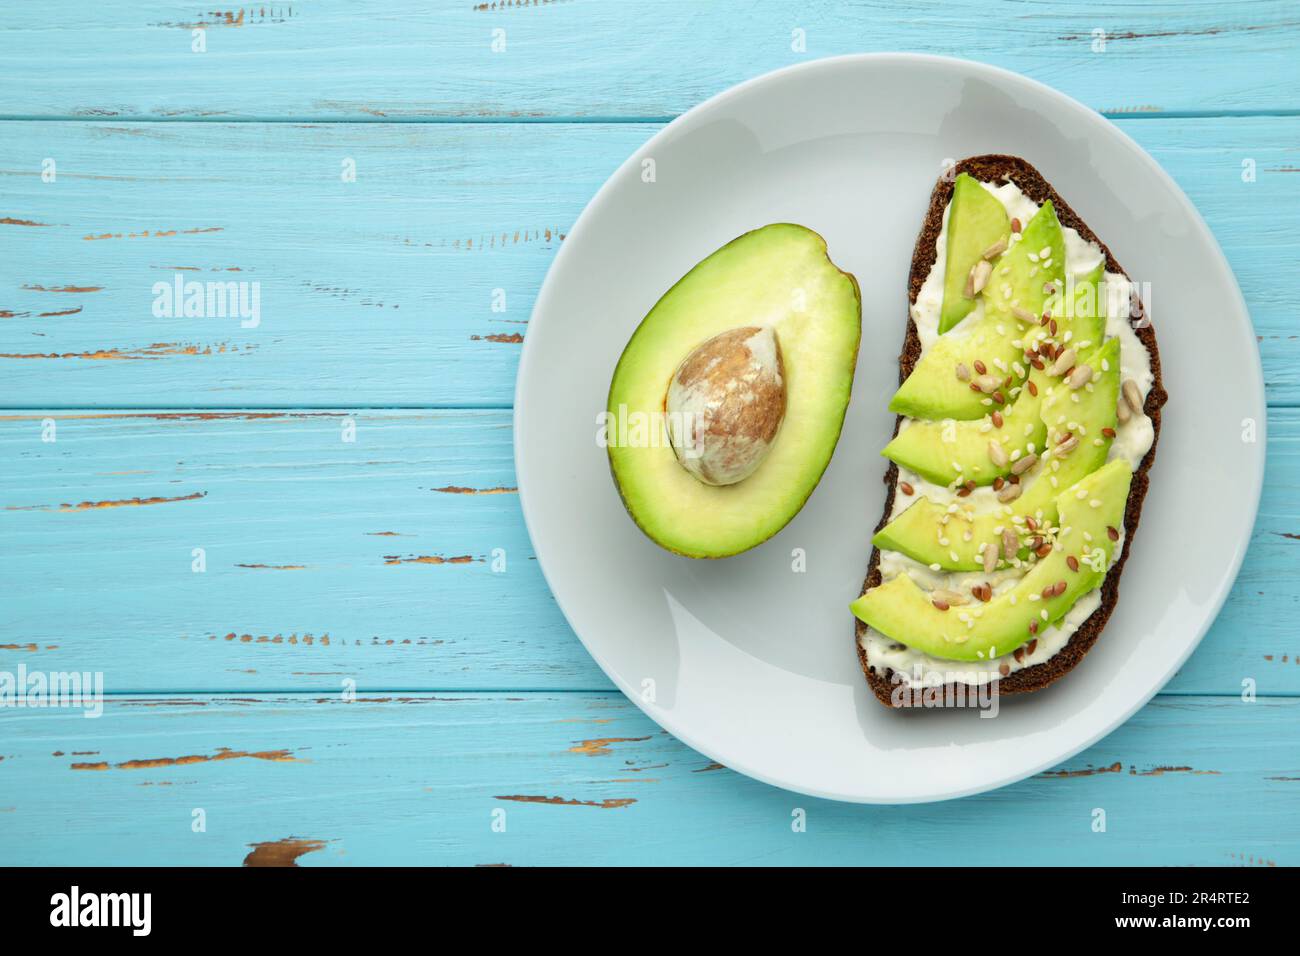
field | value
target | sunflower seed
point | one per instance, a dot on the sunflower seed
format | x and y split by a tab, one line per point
1022	465
995	250
1080	376
1009	493
1063	362
1132	396
978	278
997	454
1010	543
947	597
963	373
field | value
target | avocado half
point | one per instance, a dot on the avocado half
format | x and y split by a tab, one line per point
780	277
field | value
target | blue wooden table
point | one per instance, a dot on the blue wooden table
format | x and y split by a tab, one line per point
273	531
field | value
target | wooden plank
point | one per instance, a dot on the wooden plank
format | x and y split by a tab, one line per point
586	778
378	291
324	560
329	561
411	58
381	291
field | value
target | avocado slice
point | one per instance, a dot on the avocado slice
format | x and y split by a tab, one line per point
779	277
952	452
977	222
1086	318
1089	512
935	391
1030	273
953	536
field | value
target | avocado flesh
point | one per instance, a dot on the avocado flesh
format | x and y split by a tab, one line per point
934	391
946	452
901	610
1021	273
1086	318
778	276
953	452
930	533
976	221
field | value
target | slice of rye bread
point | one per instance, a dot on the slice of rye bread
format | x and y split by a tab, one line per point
996	168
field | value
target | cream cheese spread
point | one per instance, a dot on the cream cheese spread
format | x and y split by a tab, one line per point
1132	441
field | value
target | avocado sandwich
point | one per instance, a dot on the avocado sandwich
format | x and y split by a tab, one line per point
1028	412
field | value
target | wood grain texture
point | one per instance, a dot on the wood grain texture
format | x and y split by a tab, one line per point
416	59
324	560
329	561
587	778
380	292
368	564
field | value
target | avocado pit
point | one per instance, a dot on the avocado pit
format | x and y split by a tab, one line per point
725	404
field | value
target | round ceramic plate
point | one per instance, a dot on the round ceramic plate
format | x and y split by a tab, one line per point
752	663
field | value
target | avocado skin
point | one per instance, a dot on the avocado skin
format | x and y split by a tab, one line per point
667	535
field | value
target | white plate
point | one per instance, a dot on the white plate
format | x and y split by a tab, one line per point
750	663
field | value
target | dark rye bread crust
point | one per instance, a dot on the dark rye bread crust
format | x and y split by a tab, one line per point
997	168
